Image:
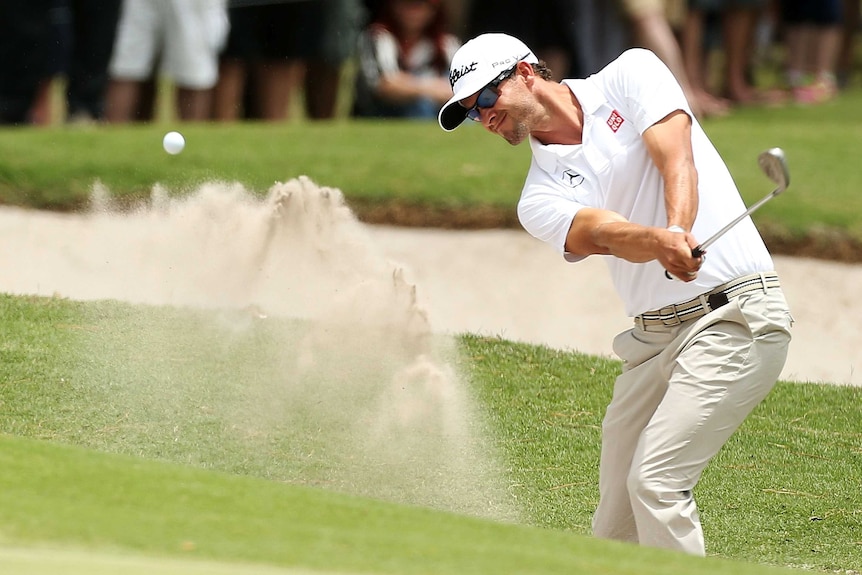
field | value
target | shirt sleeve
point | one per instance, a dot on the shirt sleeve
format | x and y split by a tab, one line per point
644	88
545	213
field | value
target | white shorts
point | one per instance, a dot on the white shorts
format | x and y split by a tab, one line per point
186	34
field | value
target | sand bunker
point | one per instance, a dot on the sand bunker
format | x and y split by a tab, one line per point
365	372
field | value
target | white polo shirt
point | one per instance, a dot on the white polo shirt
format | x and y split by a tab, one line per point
612	170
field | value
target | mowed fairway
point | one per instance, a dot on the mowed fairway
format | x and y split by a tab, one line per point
85	500
200	433
96	463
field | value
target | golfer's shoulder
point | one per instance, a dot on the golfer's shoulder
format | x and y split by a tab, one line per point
634	62
638	57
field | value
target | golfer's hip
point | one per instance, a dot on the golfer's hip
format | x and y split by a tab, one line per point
670	317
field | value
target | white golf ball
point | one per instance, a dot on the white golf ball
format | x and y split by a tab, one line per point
173	142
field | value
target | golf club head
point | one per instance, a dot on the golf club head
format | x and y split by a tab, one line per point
774	165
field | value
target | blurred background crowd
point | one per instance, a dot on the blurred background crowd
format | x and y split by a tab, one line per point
271	60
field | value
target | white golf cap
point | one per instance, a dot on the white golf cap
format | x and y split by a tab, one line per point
476	64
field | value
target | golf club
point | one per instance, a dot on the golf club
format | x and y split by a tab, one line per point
774	165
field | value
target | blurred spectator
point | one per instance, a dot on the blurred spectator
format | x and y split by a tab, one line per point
263	62
737	21
548	26
597	32
404	60
184	36
277	48
58	42
344	20
578	37
93	31
651	29
812	36
83	33
695	55
847	52
25	56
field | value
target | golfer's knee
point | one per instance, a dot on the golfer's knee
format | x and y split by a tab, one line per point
646	490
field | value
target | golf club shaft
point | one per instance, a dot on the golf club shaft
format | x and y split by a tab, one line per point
774	165
700	249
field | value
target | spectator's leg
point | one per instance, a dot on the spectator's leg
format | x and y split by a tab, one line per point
652	30
195	35
193	105
132	58
145	110
121	101
94	25
738	32
277	81
227	95
322	81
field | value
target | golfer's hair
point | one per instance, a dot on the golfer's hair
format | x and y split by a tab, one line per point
542	71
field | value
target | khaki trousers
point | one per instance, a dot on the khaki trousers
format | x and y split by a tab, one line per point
683	391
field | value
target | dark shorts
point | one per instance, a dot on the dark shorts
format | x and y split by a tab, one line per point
289	30
26	56
719	5
819	12
547	24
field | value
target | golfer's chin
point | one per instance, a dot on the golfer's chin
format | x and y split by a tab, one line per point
515	137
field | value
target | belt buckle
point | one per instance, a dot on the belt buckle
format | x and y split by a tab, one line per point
716	300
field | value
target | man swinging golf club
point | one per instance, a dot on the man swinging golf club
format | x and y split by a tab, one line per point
621	168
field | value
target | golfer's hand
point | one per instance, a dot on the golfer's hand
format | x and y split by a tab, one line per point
675	254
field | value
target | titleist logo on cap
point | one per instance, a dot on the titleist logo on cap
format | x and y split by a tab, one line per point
456	75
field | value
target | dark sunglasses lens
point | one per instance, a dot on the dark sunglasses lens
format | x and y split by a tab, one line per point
487	98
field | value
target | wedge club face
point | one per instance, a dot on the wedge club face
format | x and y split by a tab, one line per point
774	165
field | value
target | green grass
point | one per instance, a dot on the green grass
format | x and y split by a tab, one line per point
417	163
163	510
372	161
128	431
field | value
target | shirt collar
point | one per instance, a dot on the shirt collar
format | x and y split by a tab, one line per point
590	99
589	96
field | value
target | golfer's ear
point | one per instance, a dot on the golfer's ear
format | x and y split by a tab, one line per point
526	71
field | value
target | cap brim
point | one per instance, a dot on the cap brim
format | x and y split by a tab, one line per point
452	114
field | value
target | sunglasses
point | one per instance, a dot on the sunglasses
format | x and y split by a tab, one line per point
488	95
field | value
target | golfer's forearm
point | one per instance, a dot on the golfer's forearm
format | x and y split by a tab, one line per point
632	242
680	196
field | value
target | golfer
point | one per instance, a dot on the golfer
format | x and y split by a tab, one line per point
622	169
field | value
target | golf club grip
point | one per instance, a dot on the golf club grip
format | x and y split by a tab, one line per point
696	252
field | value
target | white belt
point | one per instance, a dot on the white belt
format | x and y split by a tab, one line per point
675	314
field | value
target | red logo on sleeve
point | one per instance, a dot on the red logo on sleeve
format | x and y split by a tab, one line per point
615	121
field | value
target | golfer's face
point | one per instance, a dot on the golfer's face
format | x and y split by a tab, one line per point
485	98
500	109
